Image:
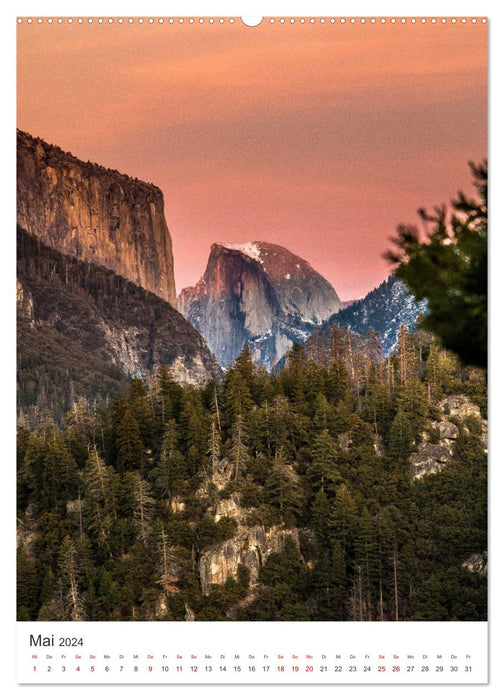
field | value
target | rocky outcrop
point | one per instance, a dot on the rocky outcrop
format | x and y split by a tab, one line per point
24	304
94	214
257	293
431	457
461	407
476	564
251	544
82	329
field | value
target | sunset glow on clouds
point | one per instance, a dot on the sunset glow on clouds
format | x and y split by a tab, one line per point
322	138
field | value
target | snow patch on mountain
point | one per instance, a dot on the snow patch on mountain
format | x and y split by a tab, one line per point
385	309
249	249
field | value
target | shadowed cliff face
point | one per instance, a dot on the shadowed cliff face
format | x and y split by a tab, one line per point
94	214
260	294
83	330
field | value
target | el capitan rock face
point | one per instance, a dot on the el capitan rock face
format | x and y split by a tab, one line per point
257	293
94	214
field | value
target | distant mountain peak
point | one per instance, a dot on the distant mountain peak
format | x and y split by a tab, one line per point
250	249
275	260
384	309
258	293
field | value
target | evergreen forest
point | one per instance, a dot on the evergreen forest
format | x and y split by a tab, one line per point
295	495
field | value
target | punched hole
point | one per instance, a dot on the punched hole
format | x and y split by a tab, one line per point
251	21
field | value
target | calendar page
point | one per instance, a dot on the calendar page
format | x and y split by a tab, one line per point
252	420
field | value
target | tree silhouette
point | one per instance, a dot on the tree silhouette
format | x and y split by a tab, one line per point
450	270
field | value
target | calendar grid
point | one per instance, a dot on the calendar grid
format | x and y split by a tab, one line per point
311	653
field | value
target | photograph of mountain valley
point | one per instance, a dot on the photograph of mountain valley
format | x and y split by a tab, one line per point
255	390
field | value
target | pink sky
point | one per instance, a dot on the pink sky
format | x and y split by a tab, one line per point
322	138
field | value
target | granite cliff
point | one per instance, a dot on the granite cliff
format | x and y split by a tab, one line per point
94	214
257	293
83	331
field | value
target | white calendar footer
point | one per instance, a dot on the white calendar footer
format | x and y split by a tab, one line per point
252	652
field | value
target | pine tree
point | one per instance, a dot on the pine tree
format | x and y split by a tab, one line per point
239	451
283	491
69	602
413	401
450	270
367	562
319	348
130	448
28	585
321	518
374	351
238	384
315	381
389	532
357	601
294	378
404	368
169	474
377	407
112	421
30	461
322	472
50	469
167	566
100	506
170	394
338	385
324	414
143	503
80	430
245	365
106	596
401	437
48	586
194	430
279	426
338	344
142	412
432	374
214	447
361	455
338	576
440	372
216	408
343	517
96	477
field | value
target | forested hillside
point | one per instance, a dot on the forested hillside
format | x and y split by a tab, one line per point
292	496
83	330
